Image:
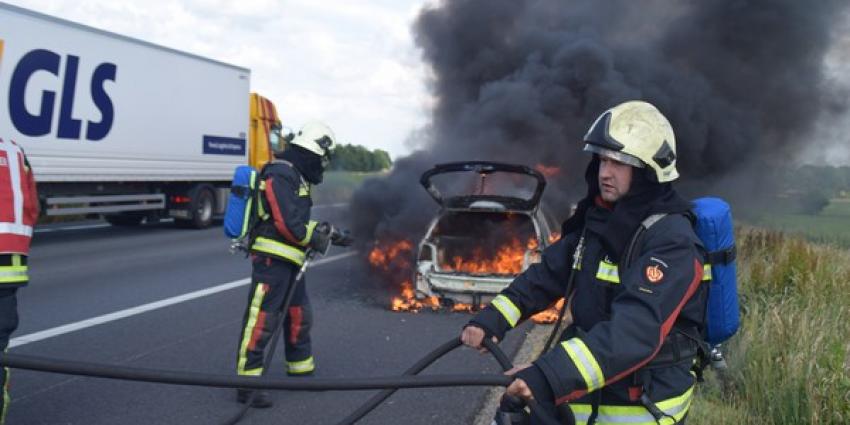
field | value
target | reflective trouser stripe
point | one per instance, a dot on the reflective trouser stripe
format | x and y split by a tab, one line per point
15	273
279	249
585	363
248	331
311	225
6	398
304	366
608	272
706	272
508	309
675	407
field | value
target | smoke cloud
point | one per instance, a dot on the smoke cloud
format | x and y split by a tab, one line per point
742	82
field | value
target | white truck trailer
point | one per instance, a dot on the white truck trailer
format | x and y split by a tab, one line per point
124	128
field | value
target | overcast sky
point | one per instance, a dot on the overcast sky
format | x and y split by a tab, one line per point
351	63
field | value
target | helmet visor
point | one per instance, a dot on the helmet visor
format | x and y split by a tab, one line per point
616	156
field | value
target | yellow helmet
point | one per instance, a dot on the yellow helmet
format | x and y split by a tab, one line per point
638	134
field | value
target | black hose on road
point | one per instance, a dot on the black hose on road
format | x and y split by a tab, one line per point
426	361
45	364
67	367
379	398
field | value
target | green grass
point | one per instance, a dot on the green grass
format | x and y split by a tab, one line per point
790	361
832	225
338	186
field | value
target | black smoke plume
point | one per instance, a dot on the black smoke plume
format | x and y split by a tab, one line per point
742	82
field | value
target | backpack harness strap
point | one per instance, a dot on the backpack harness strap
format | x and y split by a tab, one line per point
681	345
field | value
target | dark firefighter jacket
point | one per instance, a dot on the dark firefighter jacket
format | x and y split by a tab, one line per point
622	319
285	229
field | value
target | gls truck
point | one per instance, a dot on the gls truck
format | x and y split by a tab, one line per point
124	128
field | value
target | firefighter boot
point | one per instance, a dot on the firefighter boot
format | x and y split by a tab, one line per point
260	400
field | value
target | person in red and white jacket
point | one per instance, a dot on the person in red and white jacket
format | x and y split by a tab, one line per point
18	214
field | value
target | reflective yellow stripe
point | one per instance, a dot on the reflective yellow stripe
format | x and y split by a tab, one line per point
248	206
608	272
252	372
585	363
304	366
311	225
253	314
706	272
13	274
16	260
261	211
279	249
304	189
508	309
6	397
676	407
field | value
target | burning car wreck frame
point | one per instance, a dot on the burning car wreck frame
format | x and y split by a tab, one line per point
478	219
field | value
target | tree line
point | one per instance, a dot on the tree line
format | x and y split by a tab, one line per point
359	158
810	187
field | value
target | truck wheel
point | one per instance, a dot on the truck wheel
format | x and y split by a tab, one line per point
202	207
126	219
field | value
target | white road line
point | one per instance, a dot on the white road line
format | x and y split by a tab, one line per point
111	317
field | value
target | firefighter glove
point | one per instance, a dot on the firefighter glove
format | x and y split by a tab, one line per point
321	239
341	237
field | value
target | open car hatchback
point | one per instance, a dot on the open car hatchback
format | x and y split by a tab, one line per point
489	229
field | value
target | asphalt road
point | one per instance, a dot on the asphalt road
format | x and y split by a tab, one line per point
107	295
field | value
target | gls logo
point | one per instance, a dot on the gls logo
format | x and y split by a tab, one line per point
40	123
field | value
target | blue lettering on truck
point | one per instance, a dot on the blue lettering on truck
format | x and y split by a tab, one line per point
40	122
216	145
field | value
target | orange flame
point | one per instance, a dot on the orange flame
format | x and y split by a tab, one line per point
550	315
393	258
408	302
507	260
383	255
547	171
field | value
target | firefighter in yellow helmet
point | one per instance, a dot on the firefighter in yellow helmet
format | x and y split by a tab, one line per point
637	321
278	251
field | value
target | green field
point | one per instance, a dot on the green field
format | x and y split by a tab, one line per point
790	361
832	225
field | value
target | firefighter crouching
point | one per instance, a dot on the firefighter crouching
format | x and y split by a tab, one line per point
278	251
18	214
627	356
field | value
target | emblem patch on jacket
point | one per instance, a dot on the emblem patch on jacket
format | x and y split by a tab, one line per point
654	274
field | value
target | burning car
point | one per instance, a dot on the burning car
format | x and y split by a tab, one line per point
490	227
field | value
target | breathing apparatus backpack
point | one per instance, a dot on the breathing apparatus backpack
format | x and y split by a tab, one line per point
241	214
713	225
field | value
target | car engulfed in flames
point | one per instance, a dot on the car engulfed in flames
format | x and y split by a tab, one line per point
489	229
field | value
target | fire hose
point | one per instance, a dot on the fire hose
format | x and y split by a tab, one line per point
388	384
